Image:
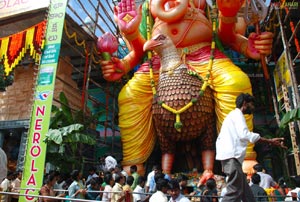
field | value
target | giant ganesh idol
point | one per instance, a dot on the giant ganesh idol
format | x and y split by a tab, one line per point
189	27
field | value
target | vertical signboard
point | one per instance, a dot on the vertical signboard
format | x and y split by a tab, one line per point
281	75
40	119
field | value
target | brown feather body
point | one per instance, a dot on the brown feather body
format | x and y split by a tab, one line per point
176	90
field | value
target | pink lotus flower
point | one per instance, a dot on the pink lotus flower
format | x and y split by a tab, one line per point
107	44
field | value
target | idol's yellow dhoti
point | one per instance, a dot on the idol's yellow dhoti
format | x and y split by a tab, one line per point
135	100
135	119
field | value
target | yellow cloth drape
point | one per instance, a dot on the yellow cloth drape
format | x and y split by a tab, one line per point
227	81
135	119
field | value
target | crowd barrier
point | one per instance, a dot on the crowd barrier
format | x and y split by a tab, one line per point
37	197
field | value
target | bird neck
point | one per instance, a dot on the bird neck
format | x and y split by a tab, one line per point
169	58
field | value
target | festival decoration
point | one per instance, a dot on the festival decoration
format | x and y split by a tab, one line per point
14	47
107	44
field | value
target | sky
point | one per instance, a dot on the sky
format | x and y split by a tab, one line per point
86	9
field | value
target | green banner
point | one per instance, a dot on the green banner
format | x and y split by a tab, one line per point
35	154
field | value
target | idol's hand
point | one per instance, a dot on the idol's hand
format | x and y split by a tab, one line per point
127	16
113	69
259	44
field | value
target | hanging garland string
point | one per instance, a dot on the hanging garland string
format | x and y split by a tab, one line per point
178	125
14	47
74	35
82	43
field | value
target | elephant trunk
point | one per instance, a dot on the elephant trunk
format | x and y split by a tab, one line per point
169	11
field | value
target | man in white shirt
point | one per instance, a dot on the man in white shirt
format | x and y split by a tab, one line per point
92	174
150	183
162	189
15	186
292	195
174	191
139	191
266	180
231	147
110	163
6	186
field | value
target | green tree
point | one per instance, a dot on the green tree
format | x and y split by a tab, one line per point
68	137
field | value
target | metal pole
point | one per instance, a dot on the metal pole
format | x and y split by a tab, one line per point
289	65
289	60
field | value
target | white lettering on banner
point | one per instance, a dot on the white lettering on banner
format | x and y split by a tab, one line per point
35	150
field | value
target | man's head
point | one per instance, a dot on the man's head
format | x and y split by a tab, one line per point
108	178
182	180
258	167
133	169
245	102
162	185
129	180
75	174
158	175
18	174
10	175
119	178
118	168
156	168
211	183
141	181
174	189
94	184
92	170
255	178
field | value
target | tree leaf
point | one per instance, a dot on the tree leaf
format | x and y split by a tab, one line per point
290	116
66	108
71	129
82	138
54	135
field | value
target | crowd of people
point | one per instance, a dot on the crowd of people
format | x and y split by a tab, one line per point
11	183
115	185
109	182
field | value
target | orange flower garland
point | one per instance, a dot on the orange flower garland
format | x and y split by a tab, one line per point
14	47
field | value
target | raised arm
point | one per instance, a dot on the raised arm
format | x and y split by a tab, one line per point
128	19
254	46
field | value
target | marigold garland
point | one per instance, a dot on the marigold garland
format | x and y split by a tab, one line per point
14	47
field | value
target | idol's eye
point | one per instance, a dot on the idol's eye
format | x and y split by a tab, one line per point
161	37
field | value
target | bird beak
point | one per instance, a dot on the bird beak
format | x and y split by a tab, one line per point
151	44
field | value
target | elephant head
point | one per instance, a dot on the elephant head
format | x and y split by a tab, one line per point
169	10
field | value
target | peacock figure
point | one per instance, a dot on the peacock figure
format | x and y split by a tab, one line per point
176	87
